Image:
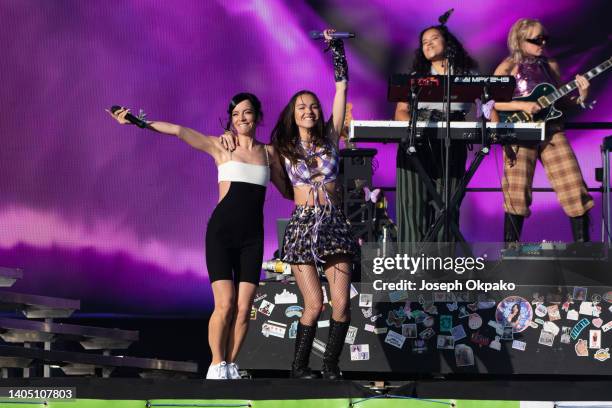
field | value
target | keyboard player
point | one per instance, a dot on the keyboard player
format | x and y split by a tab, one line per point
415	213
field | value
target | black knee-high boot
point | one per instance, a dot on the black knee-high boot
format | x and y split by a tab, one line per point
513	225
303	345
335	342
580	228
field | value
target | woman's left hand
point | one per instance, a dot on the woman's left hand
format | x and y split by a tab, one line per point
228	141
583	87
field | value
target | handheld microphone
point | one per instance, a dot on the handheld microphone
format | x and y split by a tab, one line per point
130	118
444	17
318	35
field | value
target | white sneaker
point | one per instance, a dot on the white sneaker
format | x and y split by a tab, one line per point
232	371
217	371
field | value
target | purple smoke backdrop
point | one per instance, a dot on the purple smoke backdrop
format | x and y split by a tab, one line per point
116	216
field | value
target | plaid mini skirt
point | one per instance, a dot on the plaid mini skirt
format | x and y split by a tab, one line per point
316	232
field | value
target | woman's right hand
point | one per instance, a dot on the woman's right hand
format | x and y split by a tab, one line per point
228	141
530	107
119	115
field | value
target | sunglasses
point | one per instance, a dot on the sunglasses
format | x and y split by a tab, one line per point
539	40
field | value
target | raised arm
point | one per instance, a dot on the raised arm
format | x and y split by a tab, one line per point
195	139
341	77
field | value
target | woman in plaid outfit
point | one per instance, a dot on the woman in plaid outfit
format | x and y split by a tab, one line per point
526	42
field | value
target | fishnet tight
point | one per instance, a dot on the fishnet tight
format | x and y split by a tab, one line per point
337	271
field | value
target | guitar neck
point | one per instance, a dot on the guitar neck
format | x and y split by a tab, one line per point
570	86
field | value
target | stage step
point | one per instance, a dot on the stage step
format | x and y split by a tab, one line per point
8	276
91	338
76	363
38	307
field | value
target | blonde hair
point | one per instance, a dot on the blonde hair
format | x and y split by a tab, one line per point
518	33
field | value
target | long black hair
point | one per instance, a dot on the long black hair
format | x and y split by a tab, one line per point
462	62
286	135
244	96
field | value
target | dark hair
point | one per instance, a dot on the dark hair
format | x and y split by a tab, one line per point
244	96
286	136
462	62
517	316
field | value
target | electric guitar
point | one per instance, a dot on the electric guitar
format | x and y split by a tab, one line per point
546	95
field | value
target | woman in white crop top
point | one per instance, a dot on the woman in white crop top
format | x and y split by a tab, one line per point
234	236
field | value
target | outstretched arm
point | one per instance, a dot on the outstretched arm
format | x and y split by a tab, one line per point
195	139
341	77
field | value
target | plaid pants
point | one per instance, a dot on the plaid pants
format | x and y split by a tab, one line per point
562	171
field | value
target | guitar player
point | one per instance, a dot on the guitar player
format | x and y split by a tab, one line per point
526	42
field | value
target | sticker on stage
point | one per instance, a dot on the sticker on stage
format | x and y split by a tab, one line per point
260	296
595	339
325	299
533	325
427	333
293	330
318	345
398	296
275	329
590	309
380	330
474	321
365	299
519	345
375	318
452	306
607	296
495	344
439	297
369	328
323	323
565	335
431	309
446	323
597	322
419	316
409	330
602	354
539	321
367	313
294	311
350	335
353	291
581	348
429	321
463	313
445	342
458	332
253	313
572	315
285	297
546	338
395	339
394	318
579	293
541	310
479	339
360	352
607	326
266	308
551	328
578	328
516	312
553	313
464	355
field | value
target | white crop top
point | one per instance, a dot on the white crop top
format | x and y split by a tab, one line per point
245	172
